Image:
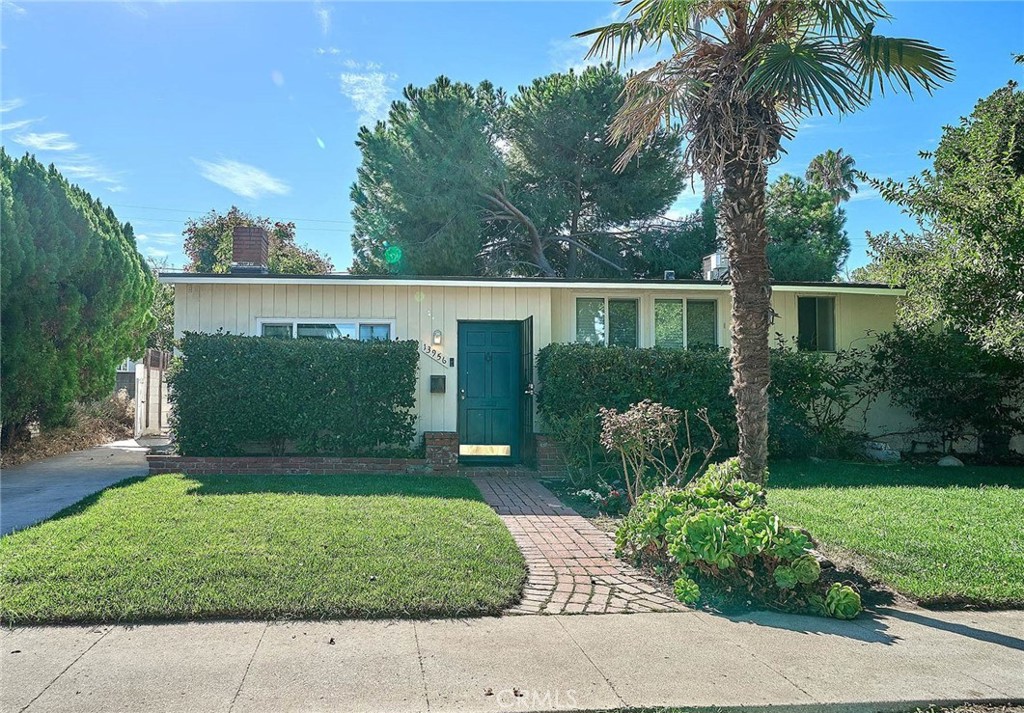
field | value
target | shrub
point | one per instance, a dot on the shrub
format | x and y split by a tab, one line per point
345	397
811	397
716	530
646	439
952	387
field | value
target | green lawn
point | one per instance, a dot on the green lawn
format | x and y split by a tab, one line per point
178	547
939	535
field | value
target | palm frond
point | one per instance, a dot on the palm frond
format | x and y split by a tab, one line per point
651	99
648	23
807	76
845	19
897	62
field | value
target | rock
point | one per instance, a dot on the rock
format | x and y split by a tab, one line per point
881	452
950	461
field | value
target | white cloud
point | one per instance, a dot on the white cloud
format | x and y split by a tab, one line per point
328	50
12	7
48	141
82	167
323	17
10	105
369	88
241	178
19	124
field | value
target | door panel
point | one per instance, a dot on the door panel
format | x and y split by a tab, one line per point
489	390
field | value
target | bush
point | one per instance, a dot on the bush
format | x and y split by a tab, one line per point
717	531
344	397
952	387
646	439
810	398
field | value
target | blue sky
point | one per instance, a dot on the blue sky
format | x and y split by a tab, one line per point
166	110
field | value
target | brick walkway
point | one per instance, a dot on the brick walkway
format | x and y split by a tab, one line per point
573	568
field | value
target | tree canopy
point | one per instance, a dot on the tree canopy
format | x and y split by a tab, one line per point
834	171
805	228
75	294
208	244
964	268
463	180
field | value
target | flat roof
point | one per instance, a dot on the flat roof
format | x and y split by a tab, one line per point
254	278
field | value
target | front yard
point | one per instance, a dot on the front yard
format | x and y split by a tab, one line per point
943	536
178	547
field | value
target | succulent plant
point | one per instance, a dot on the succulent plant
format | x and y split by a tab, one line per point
842	601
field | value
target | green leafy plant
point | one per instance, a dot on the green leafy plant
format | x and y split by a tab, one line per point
842	601
233	395
953	387
716	531
814	398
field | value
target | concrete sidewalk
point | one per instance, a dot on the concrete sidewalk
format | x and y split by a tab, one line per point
35	491
895	660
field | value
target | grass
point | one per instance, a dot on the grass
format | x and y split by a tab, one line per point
175	547
943	536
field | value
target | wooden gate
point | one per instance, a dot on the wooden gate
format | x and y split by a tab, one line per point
151	404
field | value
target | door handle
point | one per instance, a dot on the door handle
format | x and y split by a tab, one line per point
462	394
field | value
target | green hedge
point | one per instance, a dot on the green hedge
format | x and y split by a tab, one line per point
811	394
233	395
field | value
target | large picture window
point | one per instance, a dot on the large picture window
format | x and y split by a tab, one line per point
613	322
816	324
368	330
680	324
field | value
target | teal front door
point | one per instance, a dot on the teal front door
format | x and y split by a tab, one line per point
489	391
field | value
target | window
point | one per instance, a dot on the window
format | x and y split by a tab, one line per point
325	329
685	323
277	331
669	326
816	324
604	321
701	323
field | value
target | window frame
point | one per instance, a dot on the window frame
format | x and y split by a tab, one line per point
631	297
294	322
835	322
686	319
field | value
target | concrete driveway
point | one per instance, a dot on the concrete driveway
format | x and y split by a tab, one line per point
38	490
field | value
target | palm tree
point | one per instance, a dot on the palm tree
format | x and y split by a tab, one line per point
742	74
834	171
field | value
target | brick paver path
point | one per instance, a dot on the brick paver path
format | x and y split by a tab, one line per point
573	568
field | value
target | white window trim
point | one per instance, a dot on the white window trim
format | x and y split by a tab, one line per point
296	321
630	297
686	318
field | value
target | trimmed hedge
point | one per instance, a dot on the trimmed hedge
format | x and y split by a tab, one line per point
810	395
235	395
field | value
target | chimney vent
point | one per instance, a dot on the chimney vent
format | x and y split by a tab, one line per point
670	274
250	249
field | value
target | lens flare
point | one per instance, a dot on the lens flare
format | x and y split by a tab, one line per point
393	255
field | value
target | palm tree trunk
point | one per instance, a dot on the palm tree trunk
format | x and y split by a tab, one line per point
746	238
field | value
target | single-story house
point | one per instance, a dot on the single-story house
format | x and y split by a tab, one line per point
479	336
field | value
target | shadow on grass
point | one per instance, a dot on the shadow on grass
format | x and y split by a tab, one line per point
418	486
844	474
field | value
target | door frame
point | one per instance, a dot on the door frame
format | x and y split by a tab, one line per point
517	447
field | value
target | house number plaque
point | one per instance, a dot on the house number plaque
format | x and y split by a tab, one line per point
436	354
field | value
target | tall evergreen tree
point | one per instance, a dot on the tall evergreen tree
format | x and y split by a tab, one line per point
463	181
75	295
806	239
835	172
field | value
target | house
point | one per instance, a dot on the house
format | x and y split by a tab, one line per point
479	336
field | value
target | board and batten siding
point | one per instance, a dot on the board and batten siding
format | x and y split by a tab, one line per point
416	310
